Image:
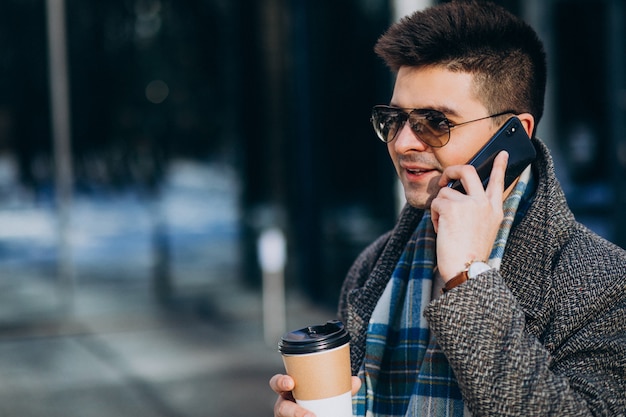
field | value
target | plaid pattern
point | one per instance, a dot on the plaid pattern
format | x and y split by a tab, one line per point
405	372
514	209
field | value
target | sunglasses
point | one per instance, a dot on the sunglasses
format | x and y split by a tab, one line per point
431	126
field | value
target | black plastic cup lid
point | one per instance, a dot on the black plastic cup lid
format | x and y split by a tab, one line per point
314	339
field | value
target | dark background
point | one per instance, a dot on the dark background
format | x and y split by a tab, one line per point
195	126
278	91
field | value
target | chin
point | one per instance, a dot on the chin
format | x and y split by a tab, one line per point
421	196
420	202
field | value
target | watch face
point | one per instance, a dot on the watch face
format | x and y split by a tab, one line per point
477	268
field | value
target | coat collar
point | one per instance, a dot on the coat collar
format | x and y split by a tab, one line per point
533	245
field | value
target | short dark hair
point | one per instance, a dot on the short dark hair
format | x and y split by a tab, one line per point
503	52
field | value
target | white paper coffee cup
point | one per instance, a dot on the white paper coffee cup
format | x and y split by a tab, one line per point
318	359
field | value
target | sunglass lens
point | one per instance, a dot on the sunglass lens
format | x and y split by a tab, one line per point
386	122
430	126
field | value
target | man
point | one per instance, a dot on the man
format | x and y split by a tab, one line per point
532	321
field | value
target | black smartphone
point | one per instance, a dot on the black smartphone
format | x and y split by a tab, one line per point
511	137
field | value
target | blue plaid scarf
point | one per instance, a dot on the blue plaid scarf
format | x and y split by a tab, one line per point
404	372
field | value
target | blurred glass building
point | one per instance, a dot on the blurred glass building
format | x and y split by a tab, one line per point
145	145
196	124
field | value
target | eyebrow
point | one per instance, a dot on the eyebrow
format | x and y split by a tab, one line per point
449	112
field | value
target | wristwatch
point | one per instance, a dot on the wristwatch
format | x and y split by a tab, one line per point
472	269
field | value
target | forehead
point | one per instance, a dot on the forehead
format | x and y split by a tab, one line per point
438	88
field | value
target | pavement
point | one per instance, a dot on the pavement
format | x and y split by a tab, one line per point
117	352
100	344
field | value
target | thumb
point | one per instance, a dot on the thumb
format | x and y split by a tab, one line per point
498	173
356	384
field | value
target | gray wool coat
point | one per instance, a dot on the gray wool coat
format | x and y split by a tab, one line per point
544	336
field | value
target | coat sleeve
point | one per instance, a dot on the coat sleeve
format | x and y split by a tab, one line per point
504	370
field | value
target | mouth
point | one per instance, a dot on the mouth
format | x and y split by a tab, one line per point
418	172
419	176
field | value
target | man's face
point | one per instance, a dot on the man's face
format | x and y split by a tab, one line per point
418	165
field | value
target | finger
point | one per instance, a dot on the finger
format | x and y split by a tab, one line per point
466	174
434	217
498	173
284	408
281	384
451	173
356	384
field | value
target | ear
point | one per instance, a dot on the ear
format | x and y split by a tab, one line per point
528	121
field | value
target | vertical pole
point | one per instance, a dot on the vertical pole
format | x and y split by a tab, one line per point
272	249
306	227
60	115
617	104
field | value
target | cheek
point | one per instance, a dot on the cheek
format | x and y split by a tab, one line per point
462	148
448	156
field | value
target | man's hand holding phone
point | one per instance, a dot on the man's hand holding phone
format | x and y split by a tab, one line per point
467	212
511	137
467	224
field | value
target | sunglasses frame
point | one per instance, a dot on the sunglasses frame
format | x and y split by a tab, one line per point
424	114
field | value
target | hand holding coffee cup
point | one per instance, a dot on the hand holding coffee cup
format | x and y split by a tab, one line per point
318	359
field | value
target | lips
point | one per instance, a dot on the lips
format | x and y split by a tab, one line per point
413	170
413	174
417	171
417	168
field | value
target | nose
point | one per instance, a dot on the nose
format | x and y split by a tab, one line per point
406	140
